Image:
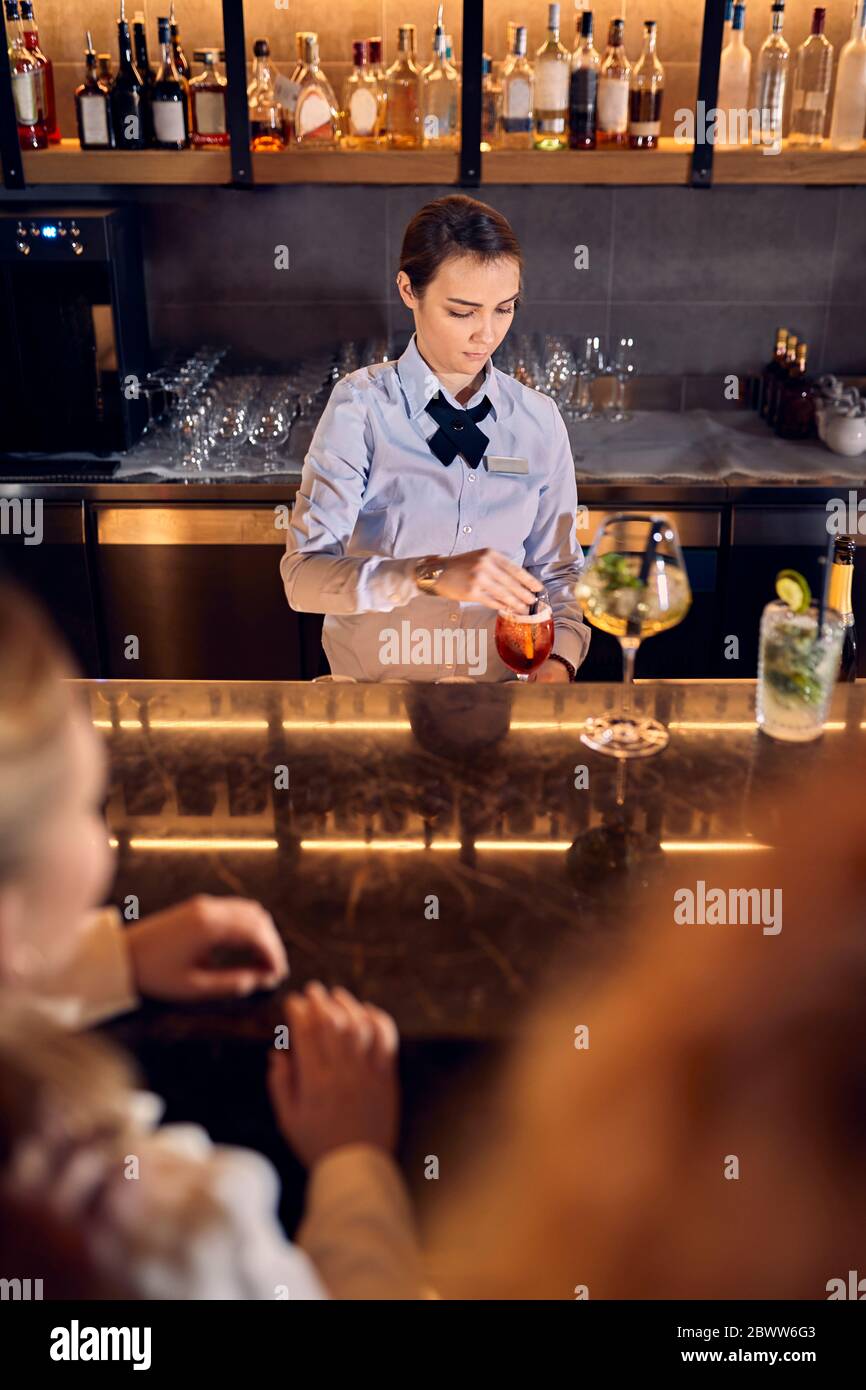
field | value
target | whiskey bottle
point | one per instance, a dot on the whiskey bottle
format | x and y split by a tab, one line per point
583	89
128	100
780	380
362	109
645	95
552	74
317	115
28	88
613	87
795	417
31	41
440	95
839	597
775	369
267	129
177	53
92	106
169	98
402	90
491	106
518	86
207	99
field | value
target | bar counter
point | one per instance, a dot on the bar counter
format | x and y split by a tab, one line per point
436	848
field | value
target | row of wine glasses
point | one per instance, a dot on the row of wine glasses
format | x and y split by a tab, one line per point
567	369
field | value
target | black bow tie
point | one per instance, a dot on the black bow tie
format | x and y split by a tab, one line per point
458	431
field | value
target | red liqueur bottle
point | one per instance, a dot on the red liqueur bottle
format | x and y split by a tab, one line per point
31	40
28	85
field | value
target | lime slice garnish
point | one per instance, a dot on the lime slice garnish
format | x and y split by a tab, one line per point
793	589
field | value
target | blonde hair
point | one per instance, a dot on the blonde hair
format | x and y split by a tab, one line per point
611	1168
35	706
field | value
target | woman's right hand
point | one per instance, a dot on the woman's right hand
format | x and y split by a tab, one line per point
485	576
336	1084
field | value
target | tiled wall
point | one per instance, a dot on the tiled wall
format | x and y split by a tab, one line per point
701	279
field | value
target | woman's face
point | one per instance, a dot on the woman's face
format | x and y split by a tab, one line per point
43	907
464	313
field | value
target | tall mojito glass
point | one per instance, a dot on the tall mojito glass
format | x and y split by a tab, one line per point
797	669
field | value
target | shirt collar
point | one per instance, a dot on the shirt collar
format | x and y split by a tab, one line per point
420	382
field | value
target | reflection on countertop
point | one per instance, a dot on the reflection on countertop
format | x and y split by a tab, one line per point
436	848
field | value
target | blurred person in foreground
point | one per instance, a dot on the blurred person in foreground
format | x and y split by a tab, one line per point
198	1220
609	1169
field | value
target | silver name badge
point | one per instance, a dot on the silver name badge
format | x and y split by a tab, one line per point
497	464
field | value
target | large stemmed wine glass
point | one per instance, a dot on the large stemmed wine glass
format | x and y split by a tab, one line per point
634	585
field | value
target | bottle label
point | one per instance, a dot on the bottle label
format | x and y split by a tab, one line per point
287	92
613	105
645	127
363	110
94	120
312	112
210	113
26	87
518	99
168	122
551	86
431	127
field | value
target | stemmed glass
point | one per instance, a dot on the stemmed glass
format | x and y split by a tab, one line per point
623	367
524	641
634	585
270	429
577	400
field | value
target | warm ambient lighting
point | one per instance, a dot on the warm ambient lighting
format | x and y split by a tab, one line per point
517	726
202	844
216	725
138	842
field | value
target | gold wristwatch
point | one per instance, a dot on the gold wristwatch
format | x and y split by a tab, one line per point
428	572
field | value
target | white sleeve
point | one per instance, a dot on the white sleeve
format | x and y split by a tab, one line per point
97	981
358	1227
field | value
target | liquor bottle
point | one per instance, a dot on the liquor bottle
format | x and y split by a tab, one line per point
552	75
27	85
287	87
508	61
812	75
127	98
735	77
92	106
491	106
774	369
363	108
645	95
780	381
31	41
795	416
440	96
613	87
147	73
771	79
849	106
177	53
207	99
402	88
839	597
267	129
169	98
518	93
317	115
729	20
583	89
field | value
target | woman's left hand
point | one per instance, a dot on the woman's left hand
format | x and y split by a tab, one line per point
550	672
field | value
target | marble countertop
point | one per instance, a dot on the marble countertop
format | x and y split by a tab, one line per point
428	846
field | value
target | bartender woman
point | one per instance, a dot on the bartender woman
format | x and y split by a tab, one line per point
438	490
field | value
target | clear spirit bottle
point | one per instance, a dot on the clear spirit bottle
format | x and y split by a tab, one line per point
771	80
813	72
518	87
403	92
491	106
645	95
440	96
849	106
552	74
735	78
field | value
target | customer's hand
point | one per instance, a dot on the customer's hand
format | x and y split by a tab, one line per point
207	948
336	1084
485	576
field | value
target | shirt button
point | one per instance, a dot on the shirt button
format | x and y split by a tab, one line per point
452	617
472	477
467	530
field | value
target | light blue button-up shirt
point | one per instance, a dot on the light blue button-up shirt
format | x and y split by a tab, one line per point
373	499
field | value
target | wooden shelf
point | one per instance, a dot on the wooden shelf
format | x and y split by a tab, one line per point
670	163
68	163
357	166
791	166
